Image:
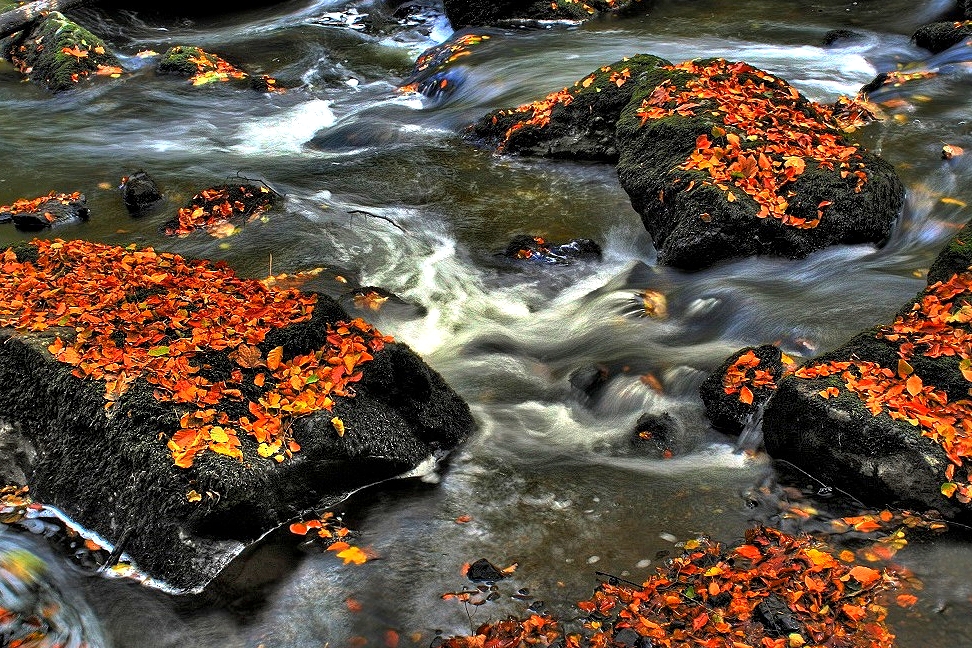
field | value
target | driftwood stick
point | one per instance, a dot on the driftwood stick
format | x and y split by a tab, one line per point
16	19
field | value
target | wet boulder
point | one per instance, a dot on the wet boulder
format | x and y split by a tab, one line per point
938	37
221	210
202	68
140	193
536	249
182	412
724	160
734	393
467	13
886	416
440	69
58	53
34	214
577	122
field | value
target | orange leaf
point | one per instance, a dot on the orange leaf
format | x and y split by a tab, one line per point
906	600
746	395
298	528
274	357
913	385
865	575
749	551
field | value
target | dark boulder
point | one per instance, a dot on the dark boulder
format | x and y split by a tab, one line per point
58	53
735	391
886	416
938	37
31	215
220	210
577	122
724	160
229	408
140	193
841	37
467	13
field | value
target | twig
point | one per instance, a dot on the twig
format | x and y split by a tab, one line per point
373	215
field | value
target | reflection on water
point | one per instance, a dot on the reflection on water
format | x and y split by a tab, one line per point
552	480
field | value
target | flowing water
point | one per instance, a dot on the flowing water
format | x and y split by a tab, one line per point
550	480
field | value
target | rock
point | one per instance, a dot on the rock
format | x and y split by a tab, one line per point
886	416
140	193
179	409
723	160
468	13
735	391
577	122
54	209
202	67
58	53
536	249
938	37
777	617
662	435
221	209
439	70
370	300
484	571
841	36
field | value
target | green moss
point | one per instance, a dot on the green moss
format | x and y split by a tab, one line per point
956	257
176	60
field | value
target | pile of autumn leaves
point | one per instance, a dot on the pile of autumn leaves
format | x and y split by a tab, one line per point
773	591
134	313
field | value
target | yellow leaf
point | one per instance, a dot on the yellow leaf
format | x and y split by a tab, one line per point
338	425
353	555
904	369
218	434
193	496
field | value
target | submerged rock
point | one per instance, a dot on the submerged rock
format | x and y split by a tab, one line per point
724	160
886	416
34	214
182	411
58	53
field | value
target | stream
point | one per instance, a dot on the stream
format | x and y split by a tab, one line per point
551	480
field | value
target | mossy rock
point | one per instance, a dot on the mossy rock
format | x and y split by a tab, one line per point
202	67
58	53
577	122
469	13
103	459
727	406
885	416
697	218
938	37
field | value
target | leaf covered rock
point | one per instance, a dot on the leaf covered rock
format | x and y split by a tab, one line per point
58	53
887	416
184	409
